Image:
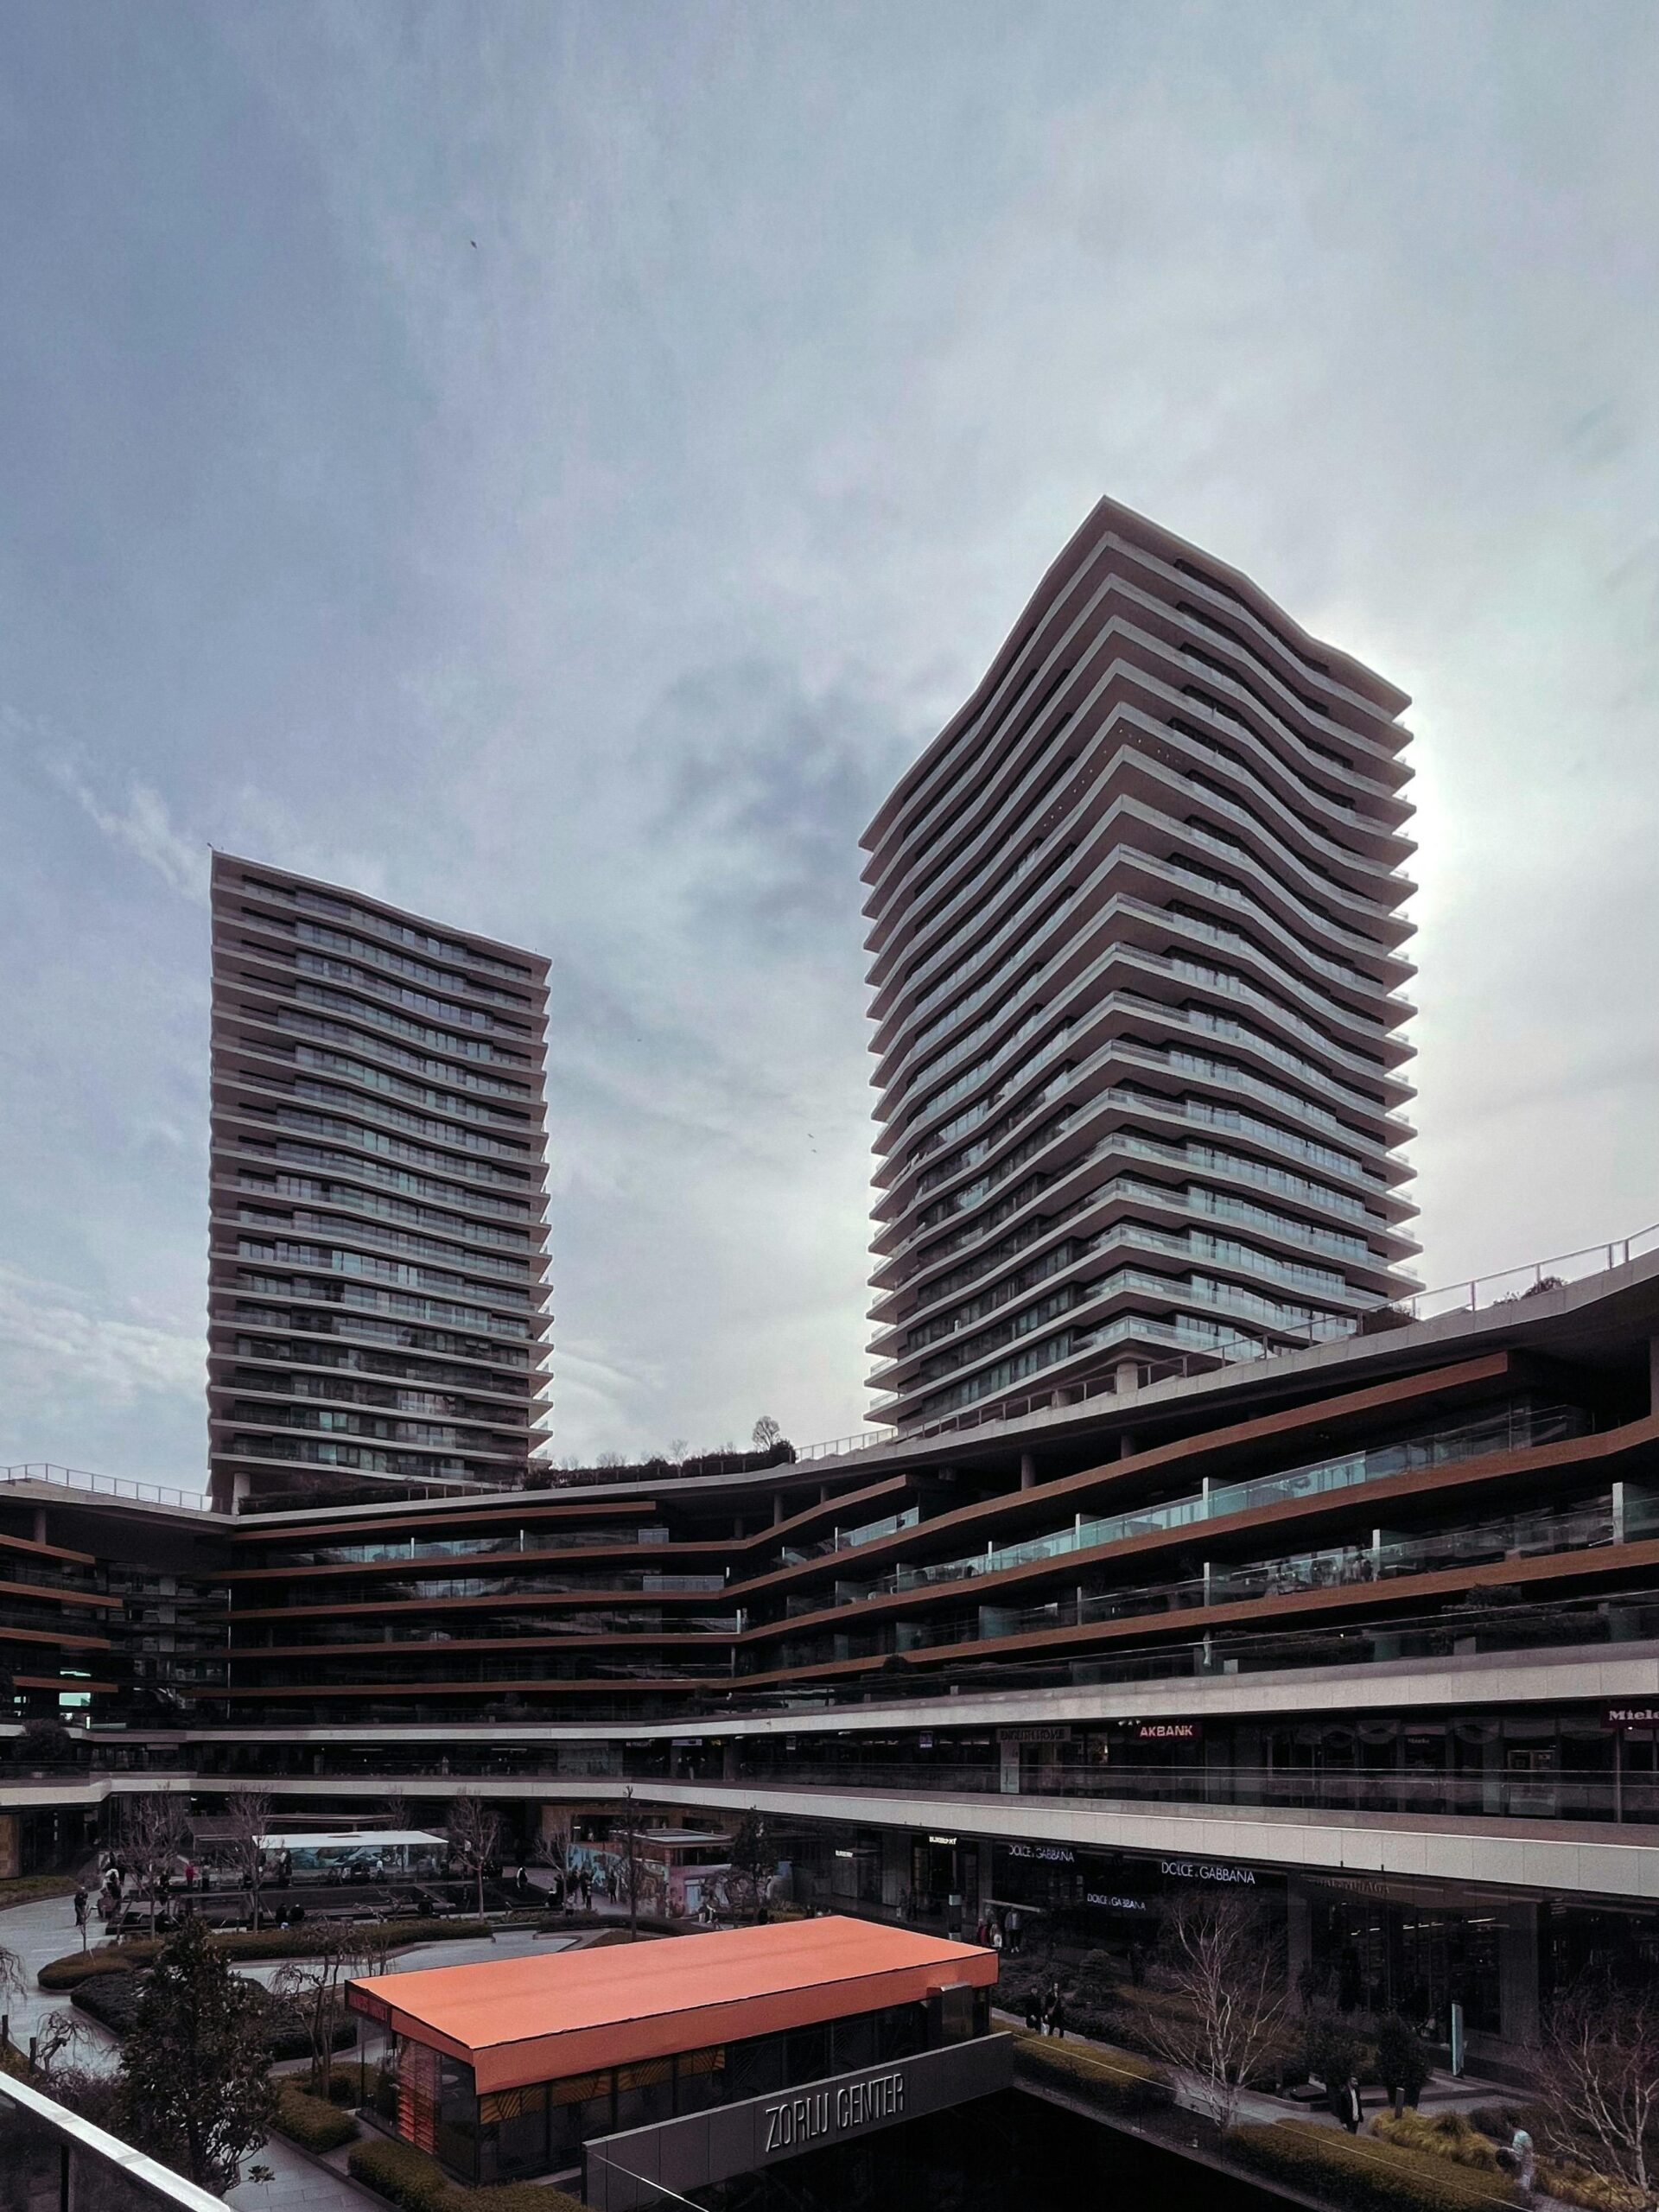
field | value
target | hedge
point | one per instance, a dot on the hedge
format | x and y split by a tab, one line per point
1117	2081
26	1889
305	1942
113	1999
311	2121
409	2179
1364	2175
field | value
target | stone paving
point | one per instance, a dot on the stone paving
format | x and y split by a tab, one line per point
45	1929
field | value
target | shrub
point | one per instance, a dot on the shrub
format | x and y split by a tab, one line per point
1403	2059
1117	2081
1575	2184
310	2121
1449	2135
409	2179
1331	2046
86	1965
1366	2176
113	1999
242	1944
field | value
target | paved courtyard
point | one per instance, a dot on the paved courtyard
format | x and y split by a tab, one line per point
45	1929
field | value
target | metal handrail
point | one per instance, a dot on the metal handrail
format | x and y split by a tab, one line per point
42	1471
1507	1285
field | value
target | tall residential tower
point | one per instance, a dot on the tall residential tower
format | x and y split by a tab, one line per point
378	1265
1136	975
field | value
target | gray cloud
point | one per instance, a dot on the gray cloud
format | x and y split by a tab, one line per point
590	583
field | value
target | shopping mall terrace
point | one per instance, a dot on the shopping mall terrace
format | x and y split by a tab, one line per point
1371	1629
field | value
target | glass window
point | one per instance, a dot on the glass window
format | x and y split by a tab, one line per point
956	2014
645	2092
700	2079
513	2133
900	2031
806	2053
853	2044
755	2068
580	2105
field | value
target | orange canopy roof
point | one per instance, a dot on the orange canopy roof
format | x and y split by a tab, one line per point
539	2018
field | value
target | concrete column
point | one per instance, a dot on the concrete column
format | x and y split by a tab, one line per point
40	1524
895	1869
1517	1973
1126	1376
1027	1470
1653	1374
1126	1445
776	1507
1299	1931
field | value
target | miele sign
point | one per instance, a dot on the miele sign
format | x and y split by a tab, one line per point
622	2173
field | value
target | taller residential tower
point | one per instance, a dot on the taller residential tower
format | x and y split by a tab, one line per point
378	1265
1136	987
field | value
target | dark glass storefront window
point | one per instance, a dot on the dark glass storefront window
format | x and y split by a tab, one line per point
853	2044
455	2136
806	2053
577	2107
900	2031
1379	1957
699	2080
513	2133
645	2092
755	2068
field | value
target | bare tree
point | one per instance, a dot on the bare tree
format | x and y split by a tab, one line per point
752	1863
153	1831
630	1861
1598	2079
61	2042
474	1834
1222	1963
553	1845
398	1809
247	1823
765	1433
315	1986
14	1979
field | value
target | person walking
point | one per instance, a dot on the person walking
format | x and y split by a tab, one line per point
81	1907
1349	2105
1057	2015
1525	2161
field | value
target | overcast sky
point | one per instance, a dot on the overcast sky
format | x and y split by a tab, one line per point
553	466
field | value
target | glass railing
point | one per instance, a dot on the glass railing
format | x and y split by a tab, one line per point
1515	1536
840	1540
1514	1429
50	2156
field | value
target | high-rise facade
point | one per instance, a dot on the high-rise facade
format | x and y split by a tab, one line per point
1137	973
378	1264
